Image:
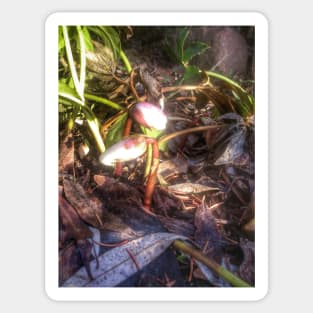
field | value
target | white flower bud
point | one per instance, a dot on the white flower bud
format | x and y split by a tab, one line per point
125	150
149	115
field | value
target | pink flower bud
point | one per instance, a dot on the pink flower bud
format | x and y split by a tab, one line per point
125	150
149	115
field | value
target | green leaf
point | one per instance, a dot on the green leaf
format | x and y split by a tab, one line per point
115	133
110	38
170	48
61	43
192	50
116	265
87	39
66	89
181	42
192	75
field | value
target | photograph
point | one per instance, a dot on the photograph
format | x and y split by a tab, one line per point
156	152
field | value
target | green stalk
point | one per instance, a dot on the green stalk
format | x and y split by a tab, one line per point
126	61
94	127
247	101
210	263
148	161
226	79
109	103
150	186
186	131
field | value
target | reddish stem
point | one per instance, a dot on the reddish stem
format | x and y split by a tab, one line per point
126	132
127	127
133	259
153	173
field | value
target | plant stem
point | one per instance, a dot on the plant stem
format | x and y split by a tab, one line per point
148	161
186	131
94	127
126	61
226	79
111	104
218	269
156	159
246	100
153	173
127	127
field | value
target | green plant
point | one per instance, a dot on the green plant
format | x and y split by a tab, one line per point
183	54
134	146
152	121
75	42
244	101
129	149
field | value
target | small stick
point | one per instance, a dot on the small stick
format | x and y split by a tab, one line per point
132	87
191	269
133	259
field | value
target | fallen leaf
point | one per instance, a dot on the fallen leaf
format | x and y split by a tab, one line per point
171	168
191	188
66	154
234	148
88	210
177	226
207	234
72	227
117	265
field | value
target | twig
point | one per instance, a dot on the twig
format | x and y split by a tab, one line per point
110	244
234	188
132	87
218	269
191	269
133	259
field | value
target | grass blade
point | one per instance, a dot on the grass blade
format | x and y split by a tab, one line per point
71	62
82	75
